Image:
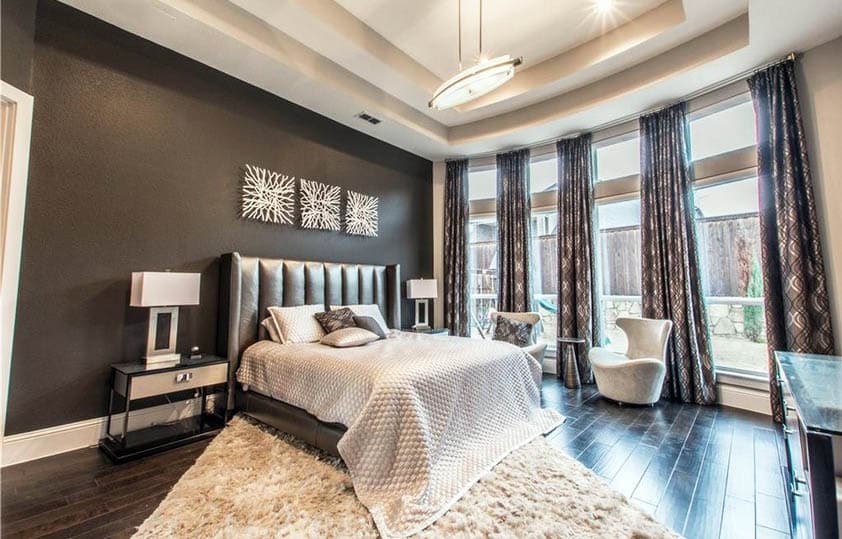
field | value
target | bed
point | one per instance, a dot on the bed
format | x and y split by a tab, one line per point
250	285
417	419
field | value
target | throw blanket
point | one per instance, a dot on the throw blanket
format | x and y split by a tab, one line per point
427	416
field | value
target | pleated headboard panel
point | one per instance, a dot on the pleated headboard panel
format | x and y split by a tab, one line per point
250	285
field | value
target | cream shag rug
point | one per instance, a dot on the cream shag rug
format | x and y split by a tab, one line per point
253	481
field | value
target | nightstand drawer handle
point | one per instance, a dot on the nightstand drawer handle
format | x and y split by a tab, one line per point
183	377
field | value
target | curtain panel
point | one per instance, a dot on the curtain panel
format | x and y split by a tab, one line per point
514	216
456	216
671	280
578	309
795	287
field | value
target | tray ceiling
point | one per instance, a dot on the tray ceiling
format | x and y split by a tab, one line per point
581	67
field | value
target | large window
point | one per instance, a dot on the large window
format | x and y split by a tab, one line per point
544	176
482	271
727	226
619	267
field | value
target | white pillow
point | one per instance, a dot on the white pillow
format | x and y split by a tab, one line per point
348	337
270	327
297	324
371	310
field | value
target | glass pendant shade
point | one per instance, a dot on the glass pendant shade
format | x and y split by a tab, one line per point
474	82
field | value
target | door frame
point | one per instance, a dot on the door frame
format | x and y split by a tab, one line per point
13	205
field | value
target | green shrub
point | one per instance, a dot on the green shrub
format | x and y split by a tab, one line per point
753	314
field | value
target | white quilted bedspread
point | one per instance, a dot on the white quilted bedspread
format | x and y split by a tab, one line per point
427	416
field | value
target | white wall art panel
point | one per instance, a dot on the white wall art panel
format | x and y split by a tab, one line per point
268	196
319	205
361	214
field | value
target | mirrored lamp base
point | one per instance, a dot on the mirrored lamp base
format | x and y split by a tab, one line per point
422	322
163	332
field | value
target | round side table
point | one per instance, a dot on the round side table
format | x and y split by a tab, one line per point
567	363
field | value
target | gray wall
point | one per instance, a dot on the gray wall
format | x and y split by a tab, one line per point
135	165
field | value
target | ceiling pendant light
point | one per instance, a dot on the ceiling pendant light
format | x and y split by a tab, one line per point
477	80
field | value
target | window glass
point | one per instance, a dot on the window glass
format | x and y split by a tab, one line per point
543	175
545	271
723	131
727	226
618	160
482	271
482	184
619	267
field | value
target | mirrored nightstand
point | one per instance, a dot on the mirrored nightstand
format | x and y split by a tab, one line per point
138	386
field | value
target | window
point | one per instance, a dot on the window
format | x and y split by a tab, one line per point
545	271
618	159
482	271
727	226
619	267
723	131
482	184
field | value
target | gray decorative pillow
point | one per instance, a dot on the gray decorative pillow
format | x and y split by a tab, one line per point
370	324
348	337
335	320
512	331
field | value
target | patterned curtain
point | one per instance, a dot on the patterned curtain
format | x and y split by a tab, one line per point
514	216
456	214
671	282
795	287
577	296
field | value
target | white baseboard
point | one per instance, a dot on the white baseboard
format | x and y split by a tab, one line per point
745	398
37	444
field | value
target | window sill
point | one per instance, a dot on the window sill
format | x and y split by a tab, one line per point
758	381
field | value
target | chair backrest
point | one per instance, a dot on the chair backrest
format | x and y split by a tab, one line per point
647	337
530	318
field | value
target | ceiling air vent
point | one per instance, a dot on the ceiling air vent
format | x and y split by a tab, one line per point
369	118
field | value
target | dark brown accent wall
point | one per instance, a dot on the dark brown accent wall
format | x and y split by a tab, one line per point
17	28
135	165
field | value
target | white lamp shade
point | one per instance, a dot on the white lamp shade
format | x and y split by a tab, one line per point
421	288
164	288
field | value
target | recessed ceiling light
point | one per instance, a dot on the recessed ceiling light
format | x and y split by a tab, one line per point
604	6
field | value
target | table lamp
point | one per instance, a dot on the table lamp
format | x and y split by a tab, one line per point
163	292
422	290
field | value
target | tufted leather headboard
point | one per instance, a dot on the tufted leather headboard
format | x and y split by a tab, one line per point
249	285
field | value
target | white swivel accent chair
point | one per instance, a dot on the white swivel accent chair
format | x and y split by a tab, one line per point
637	376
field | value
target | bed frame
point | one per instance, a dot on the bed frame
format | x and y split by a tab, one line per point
249	285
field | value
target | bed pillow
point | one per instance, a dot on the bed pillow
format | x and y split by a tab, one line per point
371	310
338	319
511	331
348	337
271	329
298	324
370	324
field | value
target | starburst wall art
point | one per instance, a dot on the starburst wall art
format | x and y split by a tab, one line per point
268	196
319	205
361	214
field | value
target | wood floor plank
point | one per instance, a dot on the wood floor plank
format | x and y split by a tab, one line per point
737	518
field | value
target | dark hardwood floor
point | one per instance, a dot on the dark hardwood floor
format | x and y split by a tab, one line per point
706	472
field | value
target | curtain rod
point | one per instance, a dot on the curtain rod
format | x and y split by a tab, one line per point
631	117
